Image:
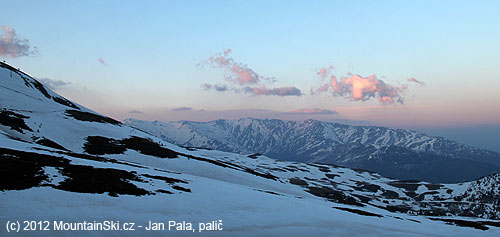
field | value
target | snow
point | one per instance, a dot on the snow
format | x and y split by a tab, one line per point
228	134
246	203
263	216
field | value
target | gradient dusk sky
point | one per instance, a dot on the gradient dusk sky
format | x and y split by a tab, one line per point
202	60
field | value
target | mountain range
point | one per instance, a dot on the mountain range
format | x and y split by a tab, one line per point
63	162
395	153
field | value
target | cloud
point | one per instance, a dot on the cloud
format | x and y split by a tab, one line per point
313	111
243	79
235	72
182	109
216	87
53	84
279	91
324	72
135	112
421	83
13	46
101	61
359	88
260	90
321	89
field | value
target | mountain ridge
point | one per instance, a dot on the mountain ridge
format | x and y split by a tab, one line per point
60	163
325	142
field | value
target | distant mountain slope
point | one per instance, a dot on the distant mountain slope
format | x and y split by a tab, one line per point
396	153
63	162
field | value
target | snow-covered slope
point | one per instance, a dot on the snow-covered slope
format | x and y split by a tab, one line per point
63	162
427	158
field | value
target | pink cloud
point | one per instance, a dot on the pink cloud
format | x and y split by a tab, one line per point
421	83
13	46
235	72
359	88
321	89
244	75
324	72
243	79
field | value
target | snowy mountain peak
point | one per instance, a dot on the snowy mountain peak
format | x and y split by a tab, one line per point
334	143
58	163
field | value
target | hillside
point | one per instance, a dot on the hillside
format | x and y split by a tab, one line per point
62	161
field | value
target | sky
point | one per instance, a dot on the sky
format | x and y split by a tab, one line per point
425	65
